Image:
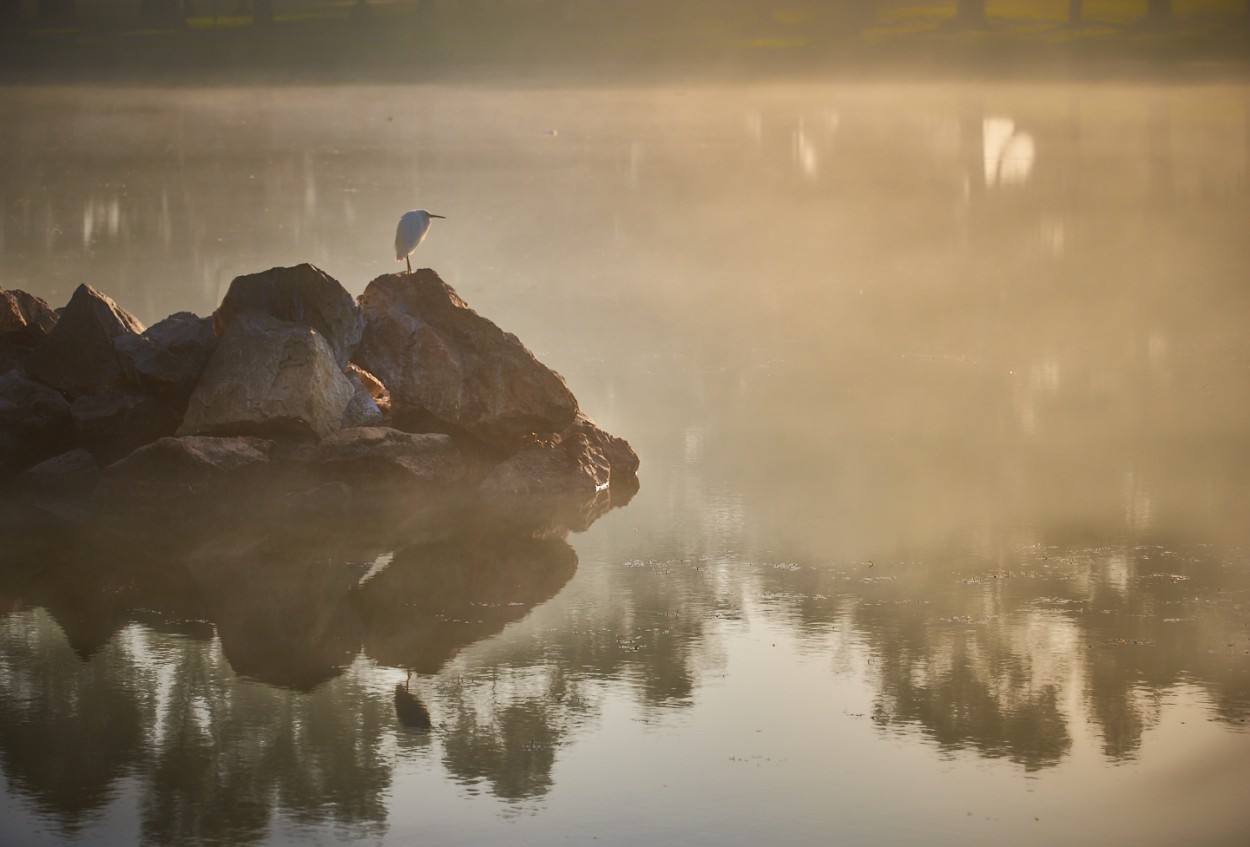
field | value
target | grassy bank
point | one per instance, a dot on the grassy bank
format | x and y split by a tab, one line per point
406	40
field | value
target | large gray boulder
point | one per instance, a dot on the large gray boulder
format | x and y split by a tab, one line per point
450	369
35	423
169	357
304	294
380	455
77	357
269	377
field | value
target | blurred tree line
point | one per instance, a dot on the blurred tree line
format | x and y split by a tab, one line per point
844	14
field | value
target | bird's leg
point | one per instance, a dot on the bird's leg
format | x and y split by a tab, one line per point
408	263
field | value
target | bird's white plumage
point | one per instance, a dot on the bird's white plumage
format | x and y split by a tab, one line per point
411	231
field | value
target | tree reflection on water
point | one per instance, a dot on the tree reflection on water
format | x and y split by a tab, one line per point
220	685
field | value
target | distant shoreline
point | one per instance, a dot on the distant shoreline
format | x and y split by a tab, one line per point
327	50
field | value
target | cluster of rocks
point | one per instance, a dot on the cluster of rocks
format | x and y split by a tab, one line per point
291	391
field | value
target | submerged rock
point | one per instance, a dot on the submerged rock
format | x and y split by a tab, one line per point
580	460
379	455
170	472
304	294
269	377
78	357
450	369
67	475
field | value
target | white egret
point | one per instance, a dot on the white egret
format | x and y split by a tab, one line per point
411	231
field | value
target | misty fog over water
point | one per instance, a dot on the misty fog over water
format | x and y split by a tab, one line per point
942	397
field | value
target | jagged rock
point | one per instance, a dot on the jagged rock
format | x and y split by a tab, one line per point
379	455
580	460
35	423
72	474
116	422
169	357
24	320
362	409
171	472
450	369
18	309
269	376
77	357
304	294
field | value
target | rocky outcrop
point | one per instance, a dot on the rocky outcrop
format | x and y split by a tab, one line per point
442	417
176	472
269	377
169	357
304	294
77	357
381	456
35	423
448	368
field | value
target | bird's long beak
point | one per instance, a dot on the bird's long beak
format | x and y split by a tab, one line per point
444	217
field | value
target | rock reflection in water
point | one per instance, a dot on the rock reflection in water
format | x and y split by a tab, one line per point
138	685
434	599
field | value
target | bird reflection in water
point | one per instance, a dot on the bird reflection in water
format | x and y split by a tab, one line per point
412	713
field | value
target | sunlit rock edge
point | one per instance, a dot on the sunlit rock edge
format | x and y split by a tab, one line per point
293	407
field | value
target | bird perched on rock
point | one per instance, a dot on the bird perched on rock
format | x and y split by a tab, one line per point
411	231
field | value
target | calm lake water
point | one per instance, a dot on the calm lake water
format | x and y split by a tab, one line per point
942	395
